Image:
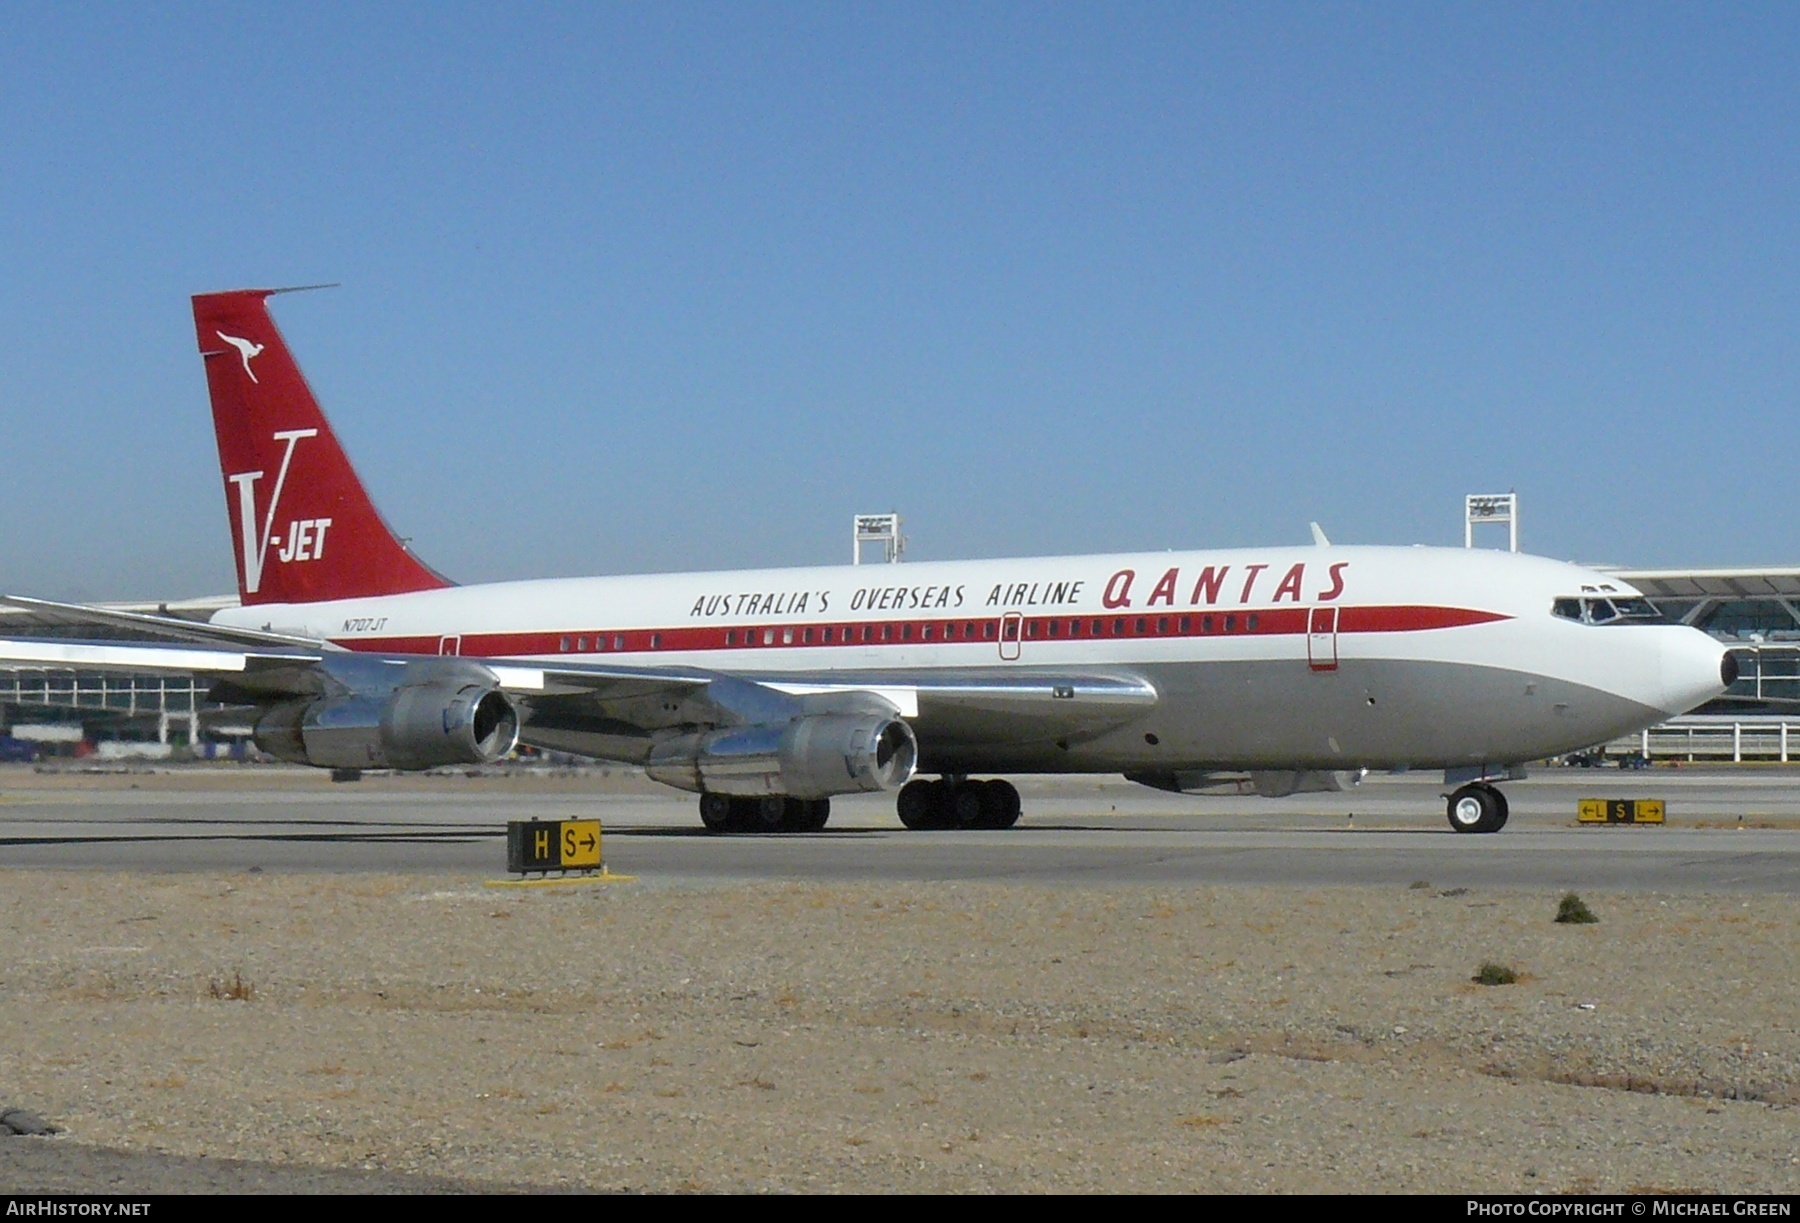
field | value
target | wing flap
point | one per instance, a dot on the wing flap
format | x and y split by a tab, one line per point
602	682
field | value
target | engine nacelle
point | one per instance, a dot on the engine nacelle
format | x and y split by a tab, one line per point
415	726
815	756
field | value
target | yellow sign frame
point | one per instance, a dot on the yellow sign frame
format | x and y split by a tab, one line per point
1620	811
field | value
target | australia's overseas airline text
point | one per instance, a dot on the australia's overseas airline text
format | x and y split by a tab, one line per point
1207	585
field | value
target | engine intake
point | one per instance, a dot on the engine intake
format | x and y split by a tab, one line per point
814	756
414	726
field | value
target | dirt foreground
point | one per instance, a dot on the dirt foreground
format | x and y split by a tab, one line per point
405	1032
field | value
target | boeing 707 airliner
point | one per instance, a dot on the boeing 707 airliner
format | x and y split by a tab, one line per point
769	692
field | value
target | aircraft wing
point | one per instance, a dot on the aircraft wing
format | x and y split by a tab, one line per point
980	705
611	710
163	626
214	656
18	654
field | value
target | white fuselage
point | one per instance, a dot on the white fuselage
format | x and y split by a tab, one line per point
1278	657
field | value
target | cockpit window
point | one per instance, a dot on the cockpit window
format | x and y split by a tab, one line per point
1624	609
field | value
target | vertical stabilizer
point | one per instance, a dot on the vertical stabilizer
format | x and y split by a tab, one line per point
302	524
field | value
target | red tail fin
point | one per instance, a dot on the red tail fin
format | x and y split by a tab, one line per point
304	527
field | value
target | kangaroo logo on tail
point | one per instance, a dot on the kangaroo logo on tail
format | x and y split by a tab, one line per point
246	349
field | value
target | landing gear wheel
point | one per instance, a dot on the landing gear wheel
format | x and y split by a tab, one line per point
963	805
806	814
918	803
999	804
766	814
715	812
1477	808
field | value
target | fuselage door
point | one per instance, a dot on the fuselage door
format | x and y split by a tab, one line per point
449	645
1012	629
1321	638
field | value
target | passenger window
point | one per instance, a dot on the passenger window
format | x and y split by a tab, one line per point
1250	624
619	642
1162	624
565	645
1186	623
987	630
656	641
581	645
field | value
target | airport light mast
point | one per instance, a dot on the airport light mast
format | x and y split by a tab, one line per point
1491	509
883	529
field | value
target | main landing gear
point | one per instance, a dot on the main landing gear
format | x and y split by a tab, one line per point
765	813
1477	808
957	802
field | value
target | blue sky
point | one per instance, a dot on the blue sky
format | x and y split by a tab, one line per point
650	287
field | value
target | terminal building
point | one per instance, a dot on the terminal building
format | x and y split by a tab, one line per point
1755	611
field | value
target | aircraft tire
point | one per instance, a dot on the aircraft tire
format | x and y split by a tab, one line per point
964	806
918	803
766	814
999	804
806	814
1476	808
716	812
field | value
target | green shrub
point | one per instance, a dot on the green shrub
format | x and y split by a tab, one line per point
1491	973
1574	911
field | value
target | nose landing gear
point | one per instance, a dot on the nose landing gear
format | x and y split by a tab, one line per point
1477	808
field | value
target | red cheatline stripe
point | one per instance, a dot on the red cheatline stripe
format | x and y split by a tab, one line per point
1036	630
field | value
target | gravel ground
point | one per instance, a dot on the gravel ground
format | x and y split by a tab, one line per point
408	1033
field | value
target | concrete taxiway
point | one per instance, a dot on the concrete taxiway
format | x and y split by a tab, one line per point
1728	830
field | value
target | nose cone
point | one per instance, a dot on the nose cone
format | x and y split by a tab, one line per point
1695	669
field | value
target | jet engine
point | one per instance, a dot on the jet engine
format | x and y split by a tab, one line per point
813	756
444	720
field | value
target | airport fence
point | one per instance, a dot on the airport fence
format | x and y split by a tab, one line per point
1705	737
